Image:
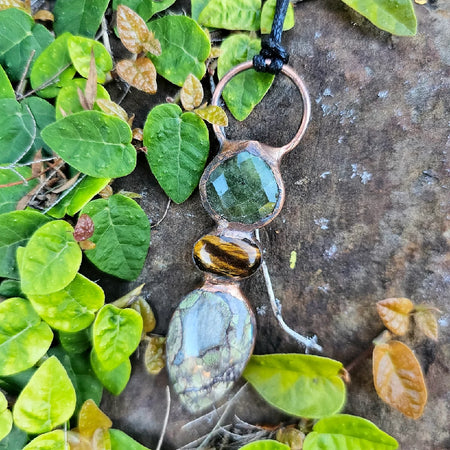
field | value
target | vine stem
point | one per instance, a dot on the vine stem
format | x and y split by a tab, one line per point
166	419
310	343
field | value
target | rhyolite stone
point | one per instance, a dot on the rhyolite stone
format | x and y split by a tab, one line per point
227	256
209	341
242	189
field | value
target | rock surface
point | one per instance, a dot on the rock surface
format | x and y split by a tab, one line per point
365	218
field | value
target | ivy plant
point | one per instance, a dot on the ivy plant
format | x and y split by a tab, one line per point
62	143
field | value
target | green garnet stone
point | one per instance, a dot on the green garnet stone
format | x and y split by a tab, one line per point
242	189
209	342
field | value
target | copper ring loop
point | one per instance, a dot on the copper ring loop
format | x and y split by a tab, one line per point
290	73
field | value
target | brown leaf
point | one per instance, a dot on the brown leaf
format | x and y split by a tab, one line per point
36	167
154	354
84	229
398	378
144	309
191	94
83	100
78	442
426	321
133	31
44	16
291	436
90	91
23	202
91	418
152	45
106	192
68	184
87	245
138	134
140	73
213	114
394	313
112	108
6	4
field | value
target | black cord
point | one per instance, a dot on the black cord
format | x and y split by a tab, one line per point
271	48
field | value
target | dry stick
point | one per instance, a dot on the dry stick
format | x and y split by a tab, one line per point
164	215
44	85
66	192
55	170
166	419
310	343
21	85
25	180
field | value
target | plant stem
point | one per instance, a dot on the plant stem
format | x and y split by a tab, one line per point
166	420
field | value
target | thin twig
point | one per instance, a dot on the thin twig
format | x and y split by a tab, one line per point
21	85
222	417
45	84
310	343
24	180
164	215
166	419
127	89
66	192
55	170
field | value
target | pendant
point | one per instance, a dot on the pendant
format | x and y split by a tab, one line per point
212	332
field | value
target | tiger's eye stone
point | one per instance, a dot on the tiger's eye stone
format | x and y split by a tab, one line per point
227	256
209	341
242	189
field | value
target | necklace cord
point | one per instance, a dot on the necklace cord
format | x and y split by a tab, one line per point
273	55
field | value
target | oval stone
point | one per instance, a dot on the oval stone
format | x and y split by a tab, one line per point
242	189
209	341
227	256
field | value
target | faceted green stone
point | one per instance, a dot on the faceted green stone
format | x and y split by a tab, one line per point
209	342
242	189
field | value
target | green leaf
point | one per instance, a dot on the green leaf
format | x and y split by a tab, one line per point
19	37
51	259
75	342
396	17
6	421
24	338
114	380
78	368
10	196
121	236
68	101
120	441
15	440
301	385
268	13
177	149
78	197
6	90
10	288
17	131
145	8
246	89
16	227
94	143
184	48
268	444
82	17
43	114
73	308
54	440
197	6
53	66
48	400
345	432
116	335
80	49
232	15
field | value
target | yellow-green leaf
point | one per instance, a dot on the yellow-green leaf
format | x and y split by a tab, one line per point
426	321
213	114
